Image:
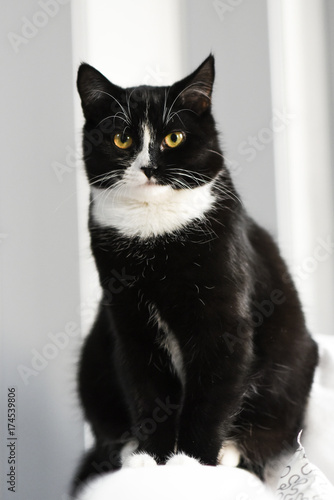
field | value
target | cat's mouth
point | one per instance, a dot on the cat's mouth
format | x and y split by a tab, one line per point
145	182
145	190
142	187
150	182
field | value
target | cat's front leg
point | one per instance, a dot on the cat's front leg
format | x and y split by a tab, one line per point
215	384
152	391
154	396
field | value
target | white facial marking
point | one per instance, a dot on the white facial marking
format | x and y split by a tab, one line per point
143	158
134	175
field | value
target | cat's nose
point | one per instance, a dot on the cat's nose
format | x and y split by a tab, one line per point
148	171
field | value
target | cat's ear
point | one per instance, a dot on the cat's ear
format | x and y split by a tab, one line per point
96	91
194	91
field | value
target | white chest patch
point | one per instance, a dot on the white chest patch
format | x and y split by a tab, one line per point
148	210
170	343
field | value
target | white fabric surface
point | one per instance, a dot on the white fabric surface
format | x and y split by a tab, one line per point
297	478
178	482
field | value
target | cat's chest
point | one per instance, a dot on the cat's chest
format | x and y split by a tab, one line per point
176	276
152	211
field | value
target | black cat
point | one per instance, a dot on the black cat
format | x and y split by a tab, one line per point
200	336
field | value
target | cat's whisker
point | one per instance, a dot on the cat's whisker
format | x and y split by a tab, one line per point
196	177
223	190
176	113
128	102
216	152
165	105
108	174
193	172
105	177
178	181
222	155
226	192
117	115
186	171
106	198
116	100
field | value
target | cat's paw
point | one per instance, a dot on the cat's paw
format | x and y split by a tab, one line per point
182	459
137	460
128	449
229	455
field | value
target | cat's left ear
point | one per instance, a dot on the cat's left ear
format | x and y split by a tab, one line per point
194	92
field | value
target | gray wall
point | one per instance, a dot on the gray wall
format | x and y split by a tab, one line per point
237	33
40	298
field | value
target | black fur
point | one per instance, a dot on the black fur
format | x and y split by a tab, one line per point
219	284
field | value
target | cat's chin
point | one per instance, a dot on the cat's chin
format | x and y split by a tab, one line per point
146	192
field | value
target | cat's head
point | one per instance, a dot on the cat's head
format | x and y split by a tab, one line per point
144	138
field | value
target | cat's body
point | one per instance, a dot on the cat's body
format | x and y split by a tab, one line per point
200	337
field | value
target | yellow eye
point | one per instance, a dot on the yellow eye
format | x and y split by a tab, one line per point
122	141
174	139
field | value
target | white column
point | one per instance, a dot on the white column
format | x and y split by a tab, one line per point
300	90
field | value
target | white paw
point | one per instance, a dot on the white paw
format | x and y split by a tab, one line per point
137	460
128	449
182	459
229	455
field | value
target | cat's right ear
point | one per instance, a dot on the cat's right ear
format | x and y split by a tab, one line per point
96	91
194	92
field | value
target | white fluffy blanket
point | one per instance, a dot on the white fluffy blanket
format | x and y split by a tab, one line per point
305	475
